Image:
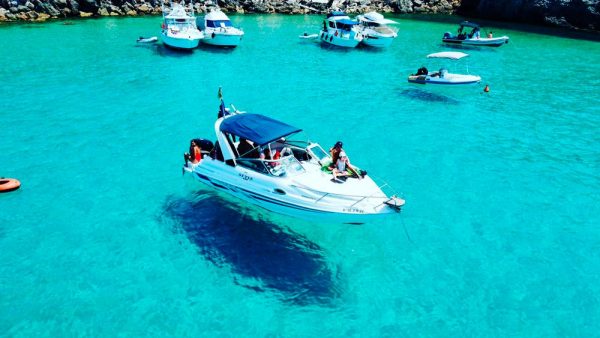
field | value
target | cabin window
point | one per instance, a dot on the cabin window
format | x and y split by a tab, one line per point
255	165
218	23
331	24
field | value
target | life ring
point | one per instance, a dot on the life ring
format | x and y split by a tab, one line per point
9	184
336	33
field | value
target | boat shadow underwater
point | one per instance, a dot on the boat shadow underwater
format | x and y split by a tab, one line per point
163	50
427	96
263	256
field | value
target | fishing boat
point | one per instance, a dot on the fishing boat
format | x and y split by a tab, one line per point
375	30
443	77
218	29
473	38
339	30
179	27
262	161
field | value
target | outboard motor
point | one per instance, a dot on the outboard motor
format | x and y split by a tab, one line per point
205	145
447	35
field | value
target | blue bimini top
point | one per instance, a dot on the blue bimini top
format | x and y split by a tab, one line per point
257	128
348	22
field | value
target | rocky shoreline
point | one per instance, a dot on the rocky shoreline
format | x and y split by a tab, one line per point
581	14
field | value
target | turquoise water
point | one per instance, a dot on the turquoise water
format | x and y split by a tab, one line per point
500	235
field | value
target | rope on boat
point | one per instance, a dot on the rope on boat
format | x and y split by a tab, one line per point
406	231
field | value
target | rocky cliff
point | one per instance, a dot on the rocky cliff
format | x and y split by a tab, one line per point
583	14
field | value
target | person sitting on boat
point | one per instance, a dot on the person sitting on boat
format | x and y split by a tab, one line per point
490	35
246	149
335	153
422	71
442	72
195	154
343	167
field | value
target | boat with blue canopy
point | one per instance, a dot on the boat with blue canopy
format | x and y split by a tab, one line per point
339	30
267	162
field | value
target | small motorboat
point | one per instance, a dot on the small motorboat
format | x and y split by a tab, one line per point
443	77
218	29
307	36
151	39
179	27
375	30
339	30
263	161
474	37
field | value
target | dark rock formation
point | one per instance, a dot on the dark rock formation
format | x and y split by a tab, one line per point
578	14
581	14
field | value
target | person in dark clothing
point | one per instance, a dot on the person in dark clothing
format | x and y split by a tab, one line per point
246	149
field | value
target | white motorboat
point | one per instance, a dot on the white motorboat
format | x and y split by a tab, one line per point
179	27
443	77
473	38
218	29
294	181
339	30
375	30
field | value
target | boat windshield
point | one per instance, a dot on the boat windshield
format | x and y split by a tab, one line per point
371	23
285	166
345	25
218	23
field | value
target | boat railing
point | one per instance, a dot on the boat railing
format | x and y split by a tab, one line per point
331	194
383	197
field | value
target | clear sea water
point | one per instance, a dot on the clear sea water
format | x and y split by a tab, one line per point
500	236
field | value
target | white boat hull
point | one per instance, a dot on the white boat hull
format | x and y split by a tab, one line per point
222	39
345	40
487	42
181	40
448	79
290	198
378	41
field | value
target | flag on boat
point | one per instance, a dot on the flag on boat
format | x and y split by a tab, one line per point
222	111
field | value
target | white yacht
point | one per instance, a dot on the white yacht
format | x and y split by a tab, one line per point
179	27
339	30
218	30
443	77
375	30
293	181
